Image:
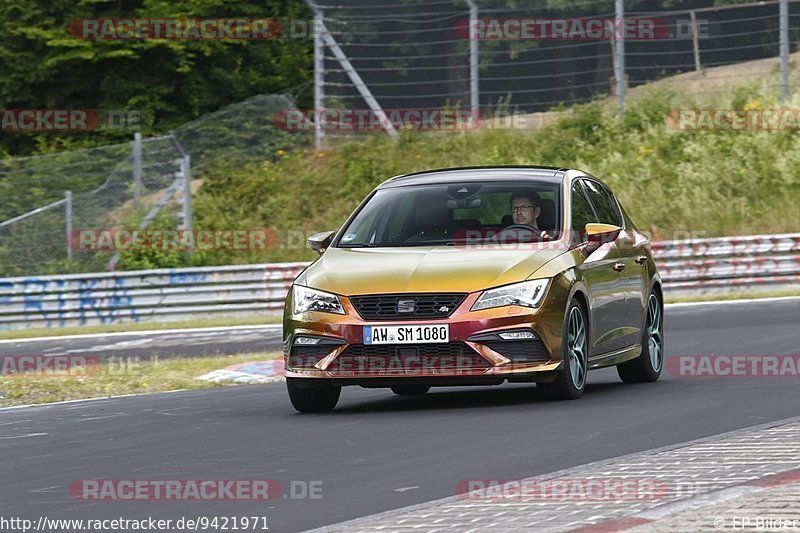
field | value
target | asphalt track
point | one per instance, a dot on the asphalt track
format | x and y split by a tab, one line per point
378	452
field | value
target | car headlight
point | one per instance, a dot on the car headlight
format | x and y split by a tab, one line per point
306	299
527	293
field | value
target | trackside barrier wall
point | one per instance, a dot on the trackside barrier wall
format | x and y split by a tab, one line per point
144	296
762	262
700	265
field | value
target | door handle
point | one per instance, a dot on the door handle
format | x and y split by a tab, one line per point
619	267
642	259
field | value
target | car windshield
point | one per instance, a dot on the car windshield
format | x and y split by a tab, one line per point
449	213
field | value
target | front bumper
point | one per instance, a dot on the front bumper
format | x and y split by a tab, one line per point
474	353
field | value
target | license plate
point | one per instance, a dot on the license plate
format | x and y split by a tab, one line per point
407	334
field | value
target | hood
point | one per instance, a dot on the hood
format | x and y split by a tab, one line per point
350	271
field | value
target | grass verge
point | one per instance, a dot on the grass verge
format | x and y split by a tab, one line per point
145	326
131	376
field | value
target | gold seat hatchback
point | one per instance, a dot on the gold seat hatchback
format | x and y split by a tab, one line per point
475	276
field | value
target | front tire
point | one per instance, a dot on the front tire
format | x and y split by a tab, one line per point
647	367
312	399
571	380
410	390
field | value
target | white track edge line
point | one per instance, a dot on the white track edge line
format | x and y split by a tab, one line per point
140	332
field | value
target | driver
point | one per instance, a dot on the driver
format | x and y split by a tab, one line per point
525	210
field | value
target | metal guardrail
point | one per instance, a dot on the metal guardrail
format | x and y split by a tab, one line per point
144	296
231	291
755	261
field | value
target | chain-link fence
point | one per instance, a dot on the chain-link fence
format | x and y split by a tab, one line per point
239	133
95	189
532	56
49	199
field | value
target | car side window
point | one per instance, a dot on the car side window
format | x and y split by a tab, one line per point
364	229
603	203
582	214
614	205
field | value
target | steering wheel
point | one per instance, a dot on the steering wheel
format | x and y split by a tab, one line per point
536	234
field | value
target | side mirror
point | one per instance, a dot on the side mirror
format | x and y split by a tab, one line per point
319	242
600	234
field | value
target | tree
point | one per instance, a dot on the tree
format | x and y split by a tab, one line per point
168	81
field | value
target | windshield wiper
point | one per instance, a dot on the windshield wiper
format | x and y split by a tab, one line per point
362	245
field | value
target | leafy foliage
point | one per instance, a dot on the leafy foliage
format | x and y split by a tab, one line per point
169	82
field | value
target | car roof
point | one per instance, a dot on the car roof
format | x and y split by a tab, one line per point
553	175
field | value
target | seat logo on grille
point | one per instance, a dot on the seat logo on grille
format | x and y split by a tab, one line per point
444	309
406	306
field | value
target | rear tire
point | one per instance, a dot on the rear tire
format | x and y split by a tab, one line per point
312	399
647	367
410	390
571	379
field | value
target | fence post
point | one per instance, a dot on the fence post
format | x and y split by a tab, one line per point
784	37
474	92
137	169
695	42
348	68
186	170
68	223
319	82
619	64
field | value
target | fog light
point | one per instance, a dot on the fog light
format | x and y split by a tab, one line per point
306	341
516	335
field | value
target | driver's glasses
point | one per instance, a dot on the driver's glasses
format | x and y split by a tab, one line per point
521	208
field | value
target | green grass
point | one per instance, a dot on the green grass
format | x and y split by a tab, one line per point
674	184
113	328
128	376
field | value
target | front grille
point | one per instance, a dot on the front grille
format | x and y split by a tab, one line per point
531	351
308	356
389	306
453	357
